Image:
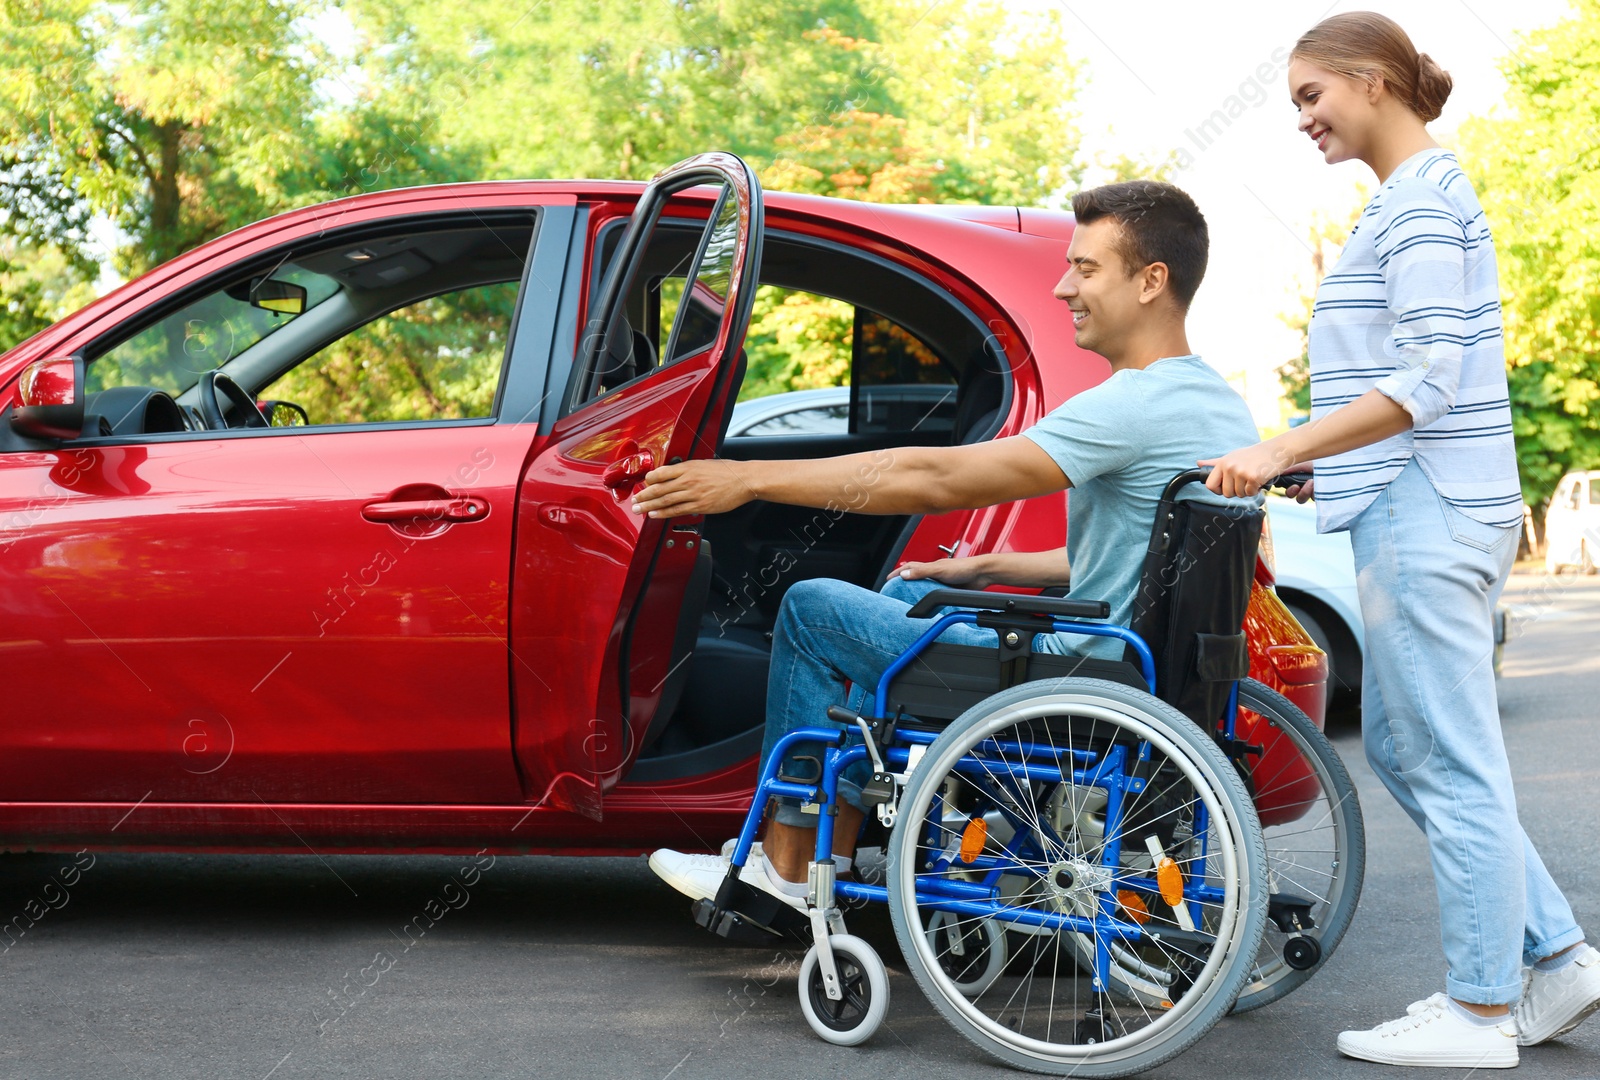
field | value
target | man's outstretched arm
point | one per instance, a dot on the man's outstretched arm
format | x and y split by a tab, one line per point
901	480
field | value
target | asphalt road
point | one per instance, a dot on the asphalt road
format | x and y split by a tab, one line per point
292	966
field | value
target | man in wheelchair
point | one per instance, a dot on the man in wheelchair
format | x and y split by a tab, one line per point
1136	258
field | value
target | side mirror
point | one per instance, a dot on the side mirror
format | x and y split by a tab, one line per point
270	294
50	399
283	413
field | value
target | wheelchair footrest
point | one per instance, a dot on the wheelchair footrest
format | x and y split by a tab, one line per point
745	914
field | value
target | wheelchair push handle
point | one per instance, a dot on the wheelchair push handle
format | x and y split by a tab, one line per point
1198	476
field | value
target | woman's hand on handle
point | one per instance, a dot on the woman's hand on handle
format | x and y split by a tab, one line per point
1370	418
1246	471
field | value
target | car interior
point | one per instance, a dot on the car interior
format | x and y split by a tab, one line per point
905	330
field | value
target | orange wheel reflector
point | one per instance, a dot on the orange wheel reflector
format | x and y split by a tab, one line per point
1170	880
973	839
1133	906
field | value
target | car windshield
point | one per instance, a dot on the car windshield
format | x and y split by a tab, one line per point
172	354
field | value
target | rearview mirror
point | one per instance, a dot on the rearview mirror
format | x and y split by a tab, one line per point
270	294
50	399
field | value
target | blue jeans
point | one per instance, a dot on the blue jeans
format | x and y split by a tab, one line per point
829	631
1428	578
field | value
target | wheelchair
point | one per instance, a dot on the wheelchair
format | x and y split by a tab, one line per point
1090	862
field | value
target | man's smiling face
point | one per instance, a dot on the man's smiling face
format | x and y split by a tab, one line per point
1103	295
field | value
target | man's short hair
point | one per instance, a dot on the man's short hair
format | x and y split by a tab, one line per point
1160	224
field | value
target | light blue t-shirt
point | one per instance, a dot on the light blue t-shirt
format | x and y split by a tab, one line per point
1119	444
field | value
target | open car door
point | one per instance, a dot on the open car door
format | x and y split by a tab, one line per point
604	602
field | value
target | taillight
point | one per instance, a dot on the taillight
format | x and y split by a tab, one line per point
1266	558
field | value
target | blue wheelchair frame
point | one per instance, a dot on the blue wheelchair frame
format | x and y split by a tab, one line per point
844	747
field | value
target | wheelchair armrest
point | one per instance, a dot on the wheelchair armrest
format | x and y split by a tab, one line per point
1008	602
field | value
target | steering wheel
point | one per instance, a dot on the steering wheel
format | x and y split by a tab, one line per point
243	404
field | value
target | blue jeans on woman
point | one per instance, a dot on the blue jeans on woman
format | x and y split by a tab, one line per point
829	631
1428	578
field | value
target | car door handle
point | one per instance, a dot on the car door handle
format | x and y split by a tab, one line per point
470	508
627	471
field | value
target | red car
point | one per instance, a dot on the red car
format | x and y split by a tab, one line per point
317	536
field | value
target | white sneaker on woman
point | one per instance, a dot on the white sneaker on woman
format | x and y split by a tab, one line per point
1431	1034
1555	1002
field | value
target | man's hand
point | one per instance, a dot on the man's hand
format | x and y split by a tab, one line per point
1300	493
968	572
691	488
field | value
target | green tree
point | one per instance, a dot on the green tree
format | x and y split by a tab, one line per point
620	88
37	283
177	119
886	100
1537	164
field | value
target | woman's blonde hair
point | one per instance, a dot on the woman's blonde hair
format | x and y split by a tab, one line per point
1364	44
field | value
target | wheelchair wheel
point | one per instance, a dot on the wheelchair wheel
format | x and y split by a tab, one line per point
1088	819
851	1020
1316	846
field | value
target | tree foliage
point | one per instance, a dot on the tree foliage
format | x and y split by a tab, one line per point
178	120
1537	165
881	99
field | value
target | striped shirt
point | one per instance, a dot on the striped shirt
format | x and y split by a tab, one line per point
1412	309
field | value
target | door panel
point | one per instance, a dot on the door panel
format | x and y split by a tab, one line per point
278	615
598	591
217	620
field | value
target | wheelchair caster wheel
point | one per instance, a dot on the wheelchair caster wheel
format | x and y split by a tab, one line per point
972	956
1089	1032
852	1019
1302	953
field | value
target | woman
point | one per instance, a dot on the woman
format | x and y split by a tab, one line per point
1411	439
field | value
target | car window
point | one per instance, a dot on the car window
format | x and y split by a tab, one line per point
410	325
1575	494
201	336
817	420
1594	491
662	319
891	380
438	359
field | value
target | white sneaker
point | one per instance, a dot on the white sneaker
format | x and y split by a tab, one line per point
1430	1034
695	876
1555	1002
729	845
700	876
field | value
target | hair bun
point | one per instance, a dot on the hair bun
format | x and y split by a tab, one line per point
1433	88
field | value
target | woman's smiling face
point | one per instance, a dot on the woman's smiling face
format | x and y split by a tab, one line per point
1336	112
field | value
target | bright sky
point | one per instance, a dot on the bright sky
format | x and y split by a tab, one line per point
1159	69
